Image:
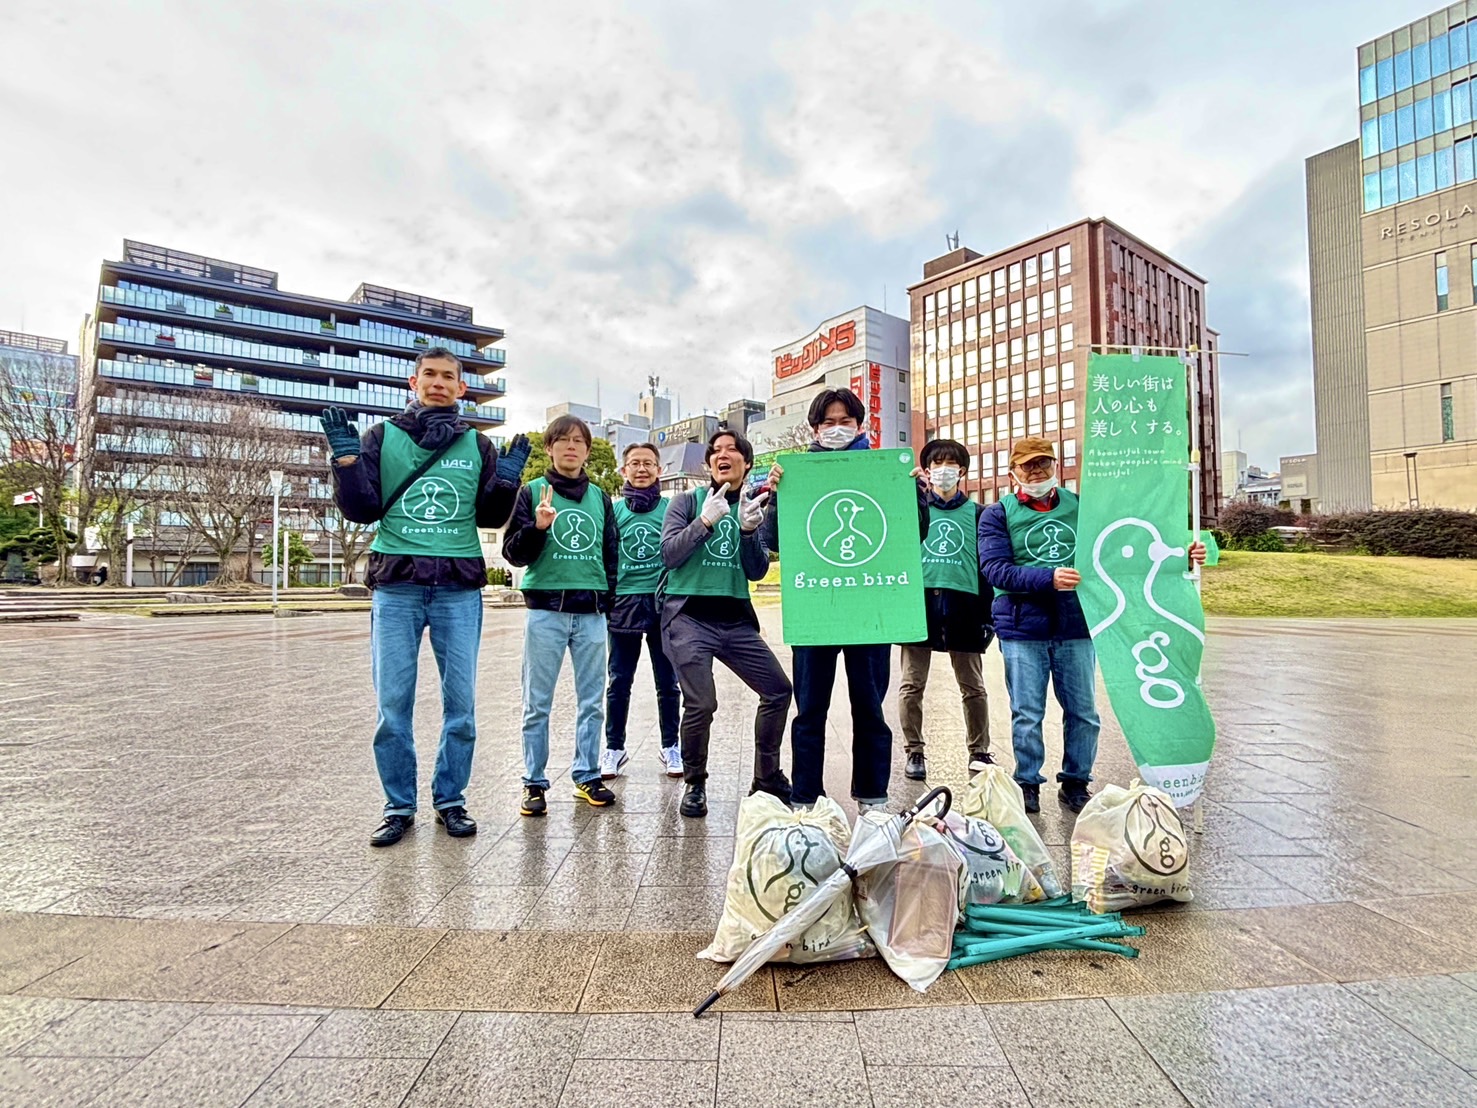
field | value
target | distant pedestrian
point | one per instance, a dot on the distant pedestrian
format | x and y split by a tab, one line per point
101	576
429	480
563	530
635	616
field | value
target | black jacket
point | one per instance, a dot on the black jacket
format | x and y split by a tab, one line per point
636	613
523	542
356	491
957	620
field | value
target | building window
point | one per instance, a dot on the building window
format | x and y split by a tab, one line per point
1443	285
1424	119
999	319
1002	463
928	302
1033	347
1403	78
956	297
1372	189
1386	124
1445	171
956	333
1461	103
902	378
1018	424
999	279
1384	77
1048	304
1069	376
1448	416
1033	382
1441	111
1053	419
1000	353
1420	63
1033	421
1031	270
1033	309
1425	174
1069	414
1367	94
1048	378
1405	124
1017	352
971	397
971	291
1440	54
1016	310
1064	259
1389	186
1002	427
971	331
1369	138
956	366
1017	386
1066	299
1457	45
1069	452
1066	343
902	405
971	363
931	405
1015	276
1002	391
902	436
1463	165
1048	266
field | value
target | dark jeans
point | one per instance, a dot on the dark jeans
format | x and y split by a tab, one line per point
625	652
868	670
692	645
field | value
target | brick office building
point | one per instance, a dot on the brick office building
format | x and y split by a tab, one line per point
1000	343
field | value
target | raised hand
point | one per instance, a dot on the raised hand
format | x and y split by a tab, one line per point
513	458
776	471
751	509
543	515
343	436
715	507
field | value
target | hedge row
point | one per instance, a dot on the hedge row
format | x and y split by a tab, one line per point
1414	532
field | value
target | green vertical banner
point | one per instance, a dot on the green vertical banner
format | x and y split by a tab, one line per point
851	568
1133	553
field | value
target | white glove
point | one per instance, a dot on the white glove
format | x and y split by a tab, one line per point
751	510
715	507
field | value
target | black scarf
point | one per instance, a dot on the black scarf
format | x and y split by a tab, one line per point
434	427
571	488
641	500
955	501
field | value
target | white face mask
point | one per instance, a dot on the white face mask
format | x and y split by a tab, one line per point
836	438
1038	489
944	477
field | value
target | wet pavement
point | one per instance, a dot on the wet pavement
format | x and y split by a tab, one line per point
189	912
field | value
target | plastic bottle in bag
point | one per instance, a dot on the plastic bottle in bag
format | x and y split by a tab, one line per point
992	795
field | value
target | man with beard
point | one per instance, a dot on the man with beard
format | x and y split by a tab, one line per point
429	481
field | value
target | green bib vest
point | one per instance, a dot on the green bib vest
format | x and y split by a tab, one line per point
951	551
714	568
1044	539
639	568
437	516
573	559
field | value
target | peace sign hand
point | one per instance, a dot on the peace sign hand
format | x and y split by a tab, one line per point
543	515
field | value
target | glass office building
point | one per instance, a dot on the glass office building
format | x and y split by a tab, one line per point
1416	107
170	326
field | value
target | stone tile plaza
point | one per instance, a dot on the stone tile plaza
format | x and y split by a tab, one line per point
191	914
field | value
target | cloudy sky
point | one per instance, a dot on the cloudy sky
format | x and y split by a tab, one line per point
675	187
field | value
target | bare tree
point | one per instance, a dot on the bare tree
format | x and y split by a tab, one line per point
352	539
38	430
226	452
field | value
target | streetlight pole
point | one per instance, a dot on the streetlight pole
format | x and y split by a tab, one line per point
276	476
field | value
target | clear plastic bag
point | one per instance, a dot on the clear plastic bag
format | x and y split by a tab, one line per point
910	907
780	855
992	795
1129	848
992	873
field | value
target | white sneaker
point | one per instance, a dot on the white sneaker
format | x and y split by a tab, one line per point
611	762
865	806
671	757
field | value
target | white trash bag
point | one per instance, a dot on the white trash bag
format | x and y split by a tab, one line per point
911	906
1129	849
992	873
780	855
992	795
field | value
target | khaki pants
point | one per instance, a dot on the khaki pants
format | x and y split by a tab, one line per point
968	671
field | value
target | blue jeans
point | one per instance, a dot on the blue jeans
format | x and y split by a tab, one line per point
1070	665
546	636
625	652
398	615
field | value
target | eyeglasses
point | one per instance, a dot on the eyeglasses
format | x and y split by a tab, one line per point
634	464
1042	466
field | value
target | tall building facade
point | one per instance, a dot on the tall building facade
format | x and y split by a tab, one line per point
1000	344
36	373
170	326
1392	239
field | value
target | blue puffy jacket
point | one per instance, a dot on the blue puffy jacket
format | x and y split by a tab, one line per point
1027	606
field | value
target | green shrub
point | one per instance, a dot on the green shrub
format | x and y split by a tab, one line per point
1268	542
1414	532
1242	519
1222	539
498	575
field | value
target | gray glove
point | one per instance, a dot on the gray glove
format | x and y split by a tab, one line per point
751	509
715	507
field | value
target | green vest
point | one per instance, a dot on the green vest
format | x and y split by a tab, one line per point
639	568
951	550
437	516
1044	539
714	568
573	558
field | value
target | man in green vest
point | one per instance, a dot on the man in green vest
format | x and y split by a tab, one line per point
1027	546
635	615
711	548
429	481
563	530
957	603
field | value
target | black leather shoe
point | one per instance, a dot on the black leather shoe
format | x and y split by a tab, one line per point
1032	796
391	831
916	769
695	802
1074	795
457	823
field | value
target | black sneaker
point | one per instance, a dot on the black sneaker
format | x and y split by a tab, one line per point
695	802
984	757
594	793
916	769
1032	796
1074	795
533	801
458	824
391	831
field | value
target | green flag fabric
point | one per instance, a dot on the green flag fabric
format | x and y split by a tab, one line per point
1212	548
1133	553
851	568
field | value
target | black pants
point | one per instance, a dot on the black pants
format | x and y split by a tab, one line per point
625	652
692	645
868	670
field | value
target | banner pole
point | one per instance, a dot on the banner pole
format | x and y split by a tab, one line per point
1191	360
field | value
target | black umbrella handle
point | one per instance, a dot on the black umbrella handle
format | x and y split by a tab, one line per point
928	798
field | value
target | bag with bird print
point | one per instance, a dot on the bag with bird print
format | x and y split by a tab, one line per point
1129	848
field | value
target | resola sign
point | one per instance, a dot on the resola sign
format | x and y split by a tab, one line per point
840	337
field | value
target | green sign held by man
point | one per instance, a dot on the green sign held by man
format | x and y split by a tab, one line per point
852	569
1133	554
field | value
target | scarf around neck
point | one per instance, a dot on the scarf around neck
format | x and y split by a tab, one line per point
434	427
641	500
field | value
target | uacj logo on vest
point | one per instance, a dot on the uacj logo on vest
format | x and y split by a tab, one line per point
1051	541
846	528
574	531
432	500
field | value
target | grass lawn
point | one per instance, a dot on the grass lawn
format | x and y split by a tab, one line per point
1330	585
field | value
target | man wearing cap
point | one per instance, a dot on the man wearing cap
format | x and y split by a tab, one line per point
1027	546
